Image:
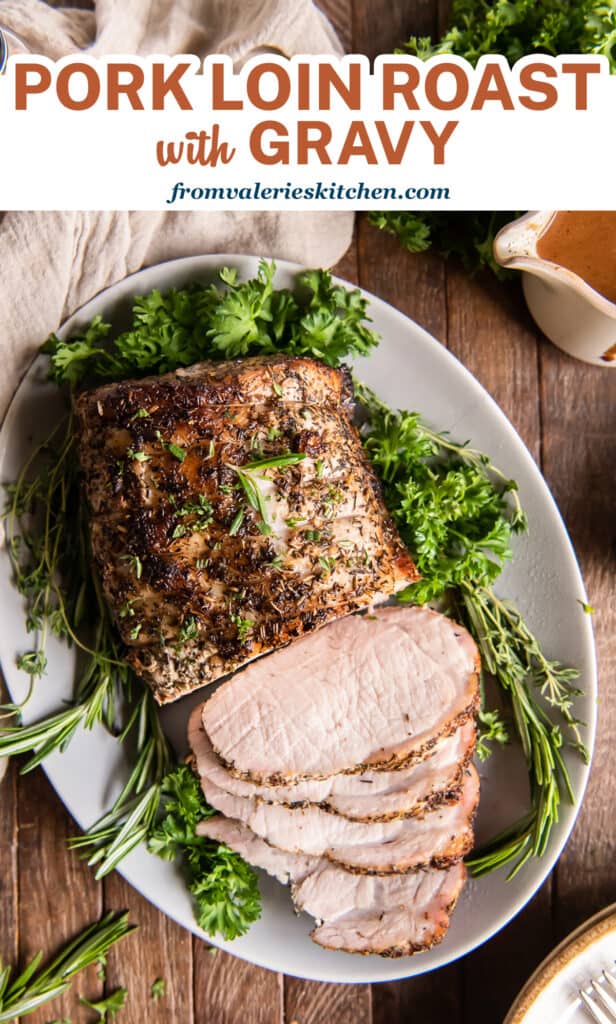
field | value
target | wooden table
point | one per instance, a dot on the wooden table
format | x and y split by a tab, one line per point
565	412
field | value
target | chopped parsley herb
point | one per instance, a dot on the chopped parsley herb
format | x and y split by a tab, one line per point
277	562
294	521
140	414
327	563
177	452
320	466
134	633
226	488
202	513
135	563
189	630
157	991
137	456
273	434
171	447
334	498
244	626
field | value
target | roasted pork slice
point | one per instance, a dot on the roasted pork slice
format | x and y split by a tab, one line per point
393	915
233	509
369	796
368	692
442	836
282	865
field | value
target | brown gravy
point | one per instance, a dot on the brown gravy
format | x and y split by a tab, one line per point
584	242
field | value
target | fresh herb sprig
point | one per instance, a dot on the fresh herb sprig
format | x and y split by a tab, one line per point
519	27
513	28
457	513
108	1007
224	887
320	319
467	237
248	475
511	653
22	995
49	546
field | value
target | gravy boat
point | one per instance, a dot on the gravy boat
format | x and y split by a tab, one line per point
573	315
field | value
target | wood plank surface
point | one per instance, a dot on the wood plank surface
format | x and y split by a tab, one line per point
231	991
9	883
315	1003
565	412
578	405
160	949
57	892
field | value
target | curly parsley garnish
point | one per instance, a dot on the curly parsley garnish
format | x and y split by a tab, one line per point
224	888
323	319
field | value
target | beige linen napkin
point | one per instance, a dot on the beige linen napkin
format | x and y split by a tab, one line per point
51	263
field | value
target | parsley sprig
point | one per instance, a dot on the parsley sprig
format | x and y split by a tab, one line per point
224	887
320	319
513	28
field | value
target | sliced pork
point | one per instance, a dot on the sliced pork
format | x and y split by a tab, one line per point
442	836
369	692
368	796
207	558
394	915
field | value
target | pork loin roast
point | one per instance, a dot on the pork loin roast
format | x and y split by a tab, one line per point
204	566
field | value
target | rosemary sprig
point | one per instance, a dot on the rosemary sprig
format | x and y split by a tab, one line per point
127	824
22	995
49	546
247	476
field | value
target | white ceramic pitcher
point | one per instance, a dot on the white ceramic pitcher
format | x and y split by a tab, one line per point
573	315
